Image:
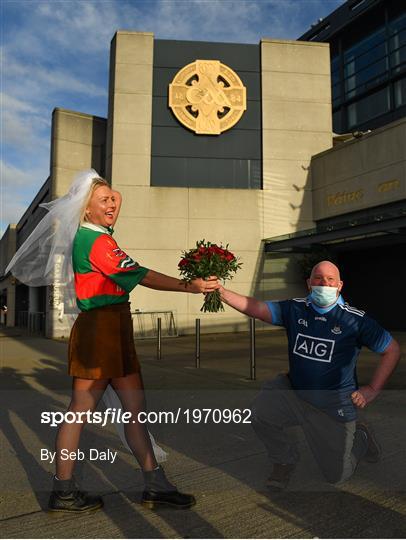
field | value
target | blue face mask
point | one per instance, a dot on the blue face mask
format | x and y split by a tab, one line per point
324	296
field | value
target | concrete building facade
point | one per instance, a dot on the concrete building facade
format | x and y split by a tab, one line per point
269	175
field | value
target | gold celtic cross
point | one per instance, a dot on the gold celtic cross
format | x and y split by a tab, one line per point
207	97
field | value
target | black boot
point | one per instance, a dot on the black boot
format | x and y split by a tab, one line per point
160	492
66	497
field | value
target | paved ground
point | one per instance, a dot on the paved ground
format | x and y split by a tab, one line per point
224	465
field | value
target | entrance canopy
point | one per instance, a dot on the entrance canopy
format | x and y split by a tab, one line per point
374	227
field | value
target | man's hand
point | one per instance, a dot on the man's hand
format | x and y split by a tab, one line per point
389	359
363	396
201	285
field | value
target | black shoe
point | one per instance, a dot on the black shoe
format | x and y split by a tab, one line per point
374	452
66	497
160	492
281	474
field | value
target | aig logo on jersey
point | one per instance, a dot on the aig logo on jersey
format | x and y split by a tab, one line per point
314	348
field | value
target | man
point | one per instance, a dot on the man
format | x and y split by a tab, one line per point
320	392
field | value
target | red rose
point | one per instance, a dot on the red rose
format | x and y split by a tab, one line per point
183	262
228	256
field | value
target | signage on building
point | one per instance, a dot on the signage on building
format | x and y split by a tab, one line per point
344	197
371	194
389	185
374	193
207	97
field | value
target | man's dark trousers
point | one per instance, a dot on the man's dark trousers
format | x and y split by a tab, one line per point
336	446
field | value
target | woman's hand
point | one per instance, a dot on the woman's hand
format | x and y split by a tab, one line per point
200	285
162	282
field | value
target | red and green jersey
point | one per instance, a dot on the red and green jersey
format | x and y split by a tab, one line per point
104	274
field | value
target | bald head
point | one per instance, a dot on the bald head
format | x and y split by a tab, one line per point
325	267
326	274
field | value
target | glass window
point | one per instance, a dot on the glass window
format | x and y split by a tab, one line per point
356	5
335	91
365	45
366	63
335	77
398	40
400	93
367	108
397	24
360	62
337	122
335	63
366	78
398	57
335	70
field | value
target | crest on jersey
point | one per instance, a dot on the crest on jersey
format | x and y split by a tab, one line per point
126	261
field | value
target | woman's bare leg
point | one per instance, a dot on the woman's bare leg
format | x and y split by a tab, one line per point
130	390
157	488
86	393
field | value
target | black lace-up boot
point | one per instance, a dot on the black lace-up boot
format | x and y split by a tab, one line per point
66	497
160	492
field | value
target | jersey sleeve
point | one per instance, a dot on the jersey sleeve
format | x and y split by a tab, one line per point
106	257
276	312
373	336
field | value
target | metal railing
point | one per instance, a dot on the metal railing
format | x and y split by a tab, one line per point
22	319
252	357
147	324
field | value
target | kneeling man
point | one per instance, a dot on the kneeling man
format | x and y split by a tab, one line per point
320	391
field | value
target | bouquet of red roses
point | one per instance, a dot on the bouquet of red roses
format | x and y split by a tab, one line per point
206	260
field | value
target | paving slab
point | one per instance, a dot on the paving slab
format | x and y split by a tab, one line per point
223	464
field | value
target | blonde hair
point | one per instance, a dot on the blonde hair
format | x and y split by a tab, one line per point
96	182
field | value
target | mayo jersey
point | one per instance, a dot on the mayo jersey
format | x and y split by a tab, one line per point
324	344
104	274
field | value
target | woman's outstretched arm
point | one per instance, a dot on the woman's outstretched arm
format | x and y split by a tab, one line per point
162	282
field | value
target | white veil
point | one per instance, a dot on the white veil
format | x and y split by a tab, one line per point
51	242
34	262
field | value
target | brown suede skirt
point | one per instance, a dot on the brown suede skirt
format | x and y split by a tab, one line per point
101	343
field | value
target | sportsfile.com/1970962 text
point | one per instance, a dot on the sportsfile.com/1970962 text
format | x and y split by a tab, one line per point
115	416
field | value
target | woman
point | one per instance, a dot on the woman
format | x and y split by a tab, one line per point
101	344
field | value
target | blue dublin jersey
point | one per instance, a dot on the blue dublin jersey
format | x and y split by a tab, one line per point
324	344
